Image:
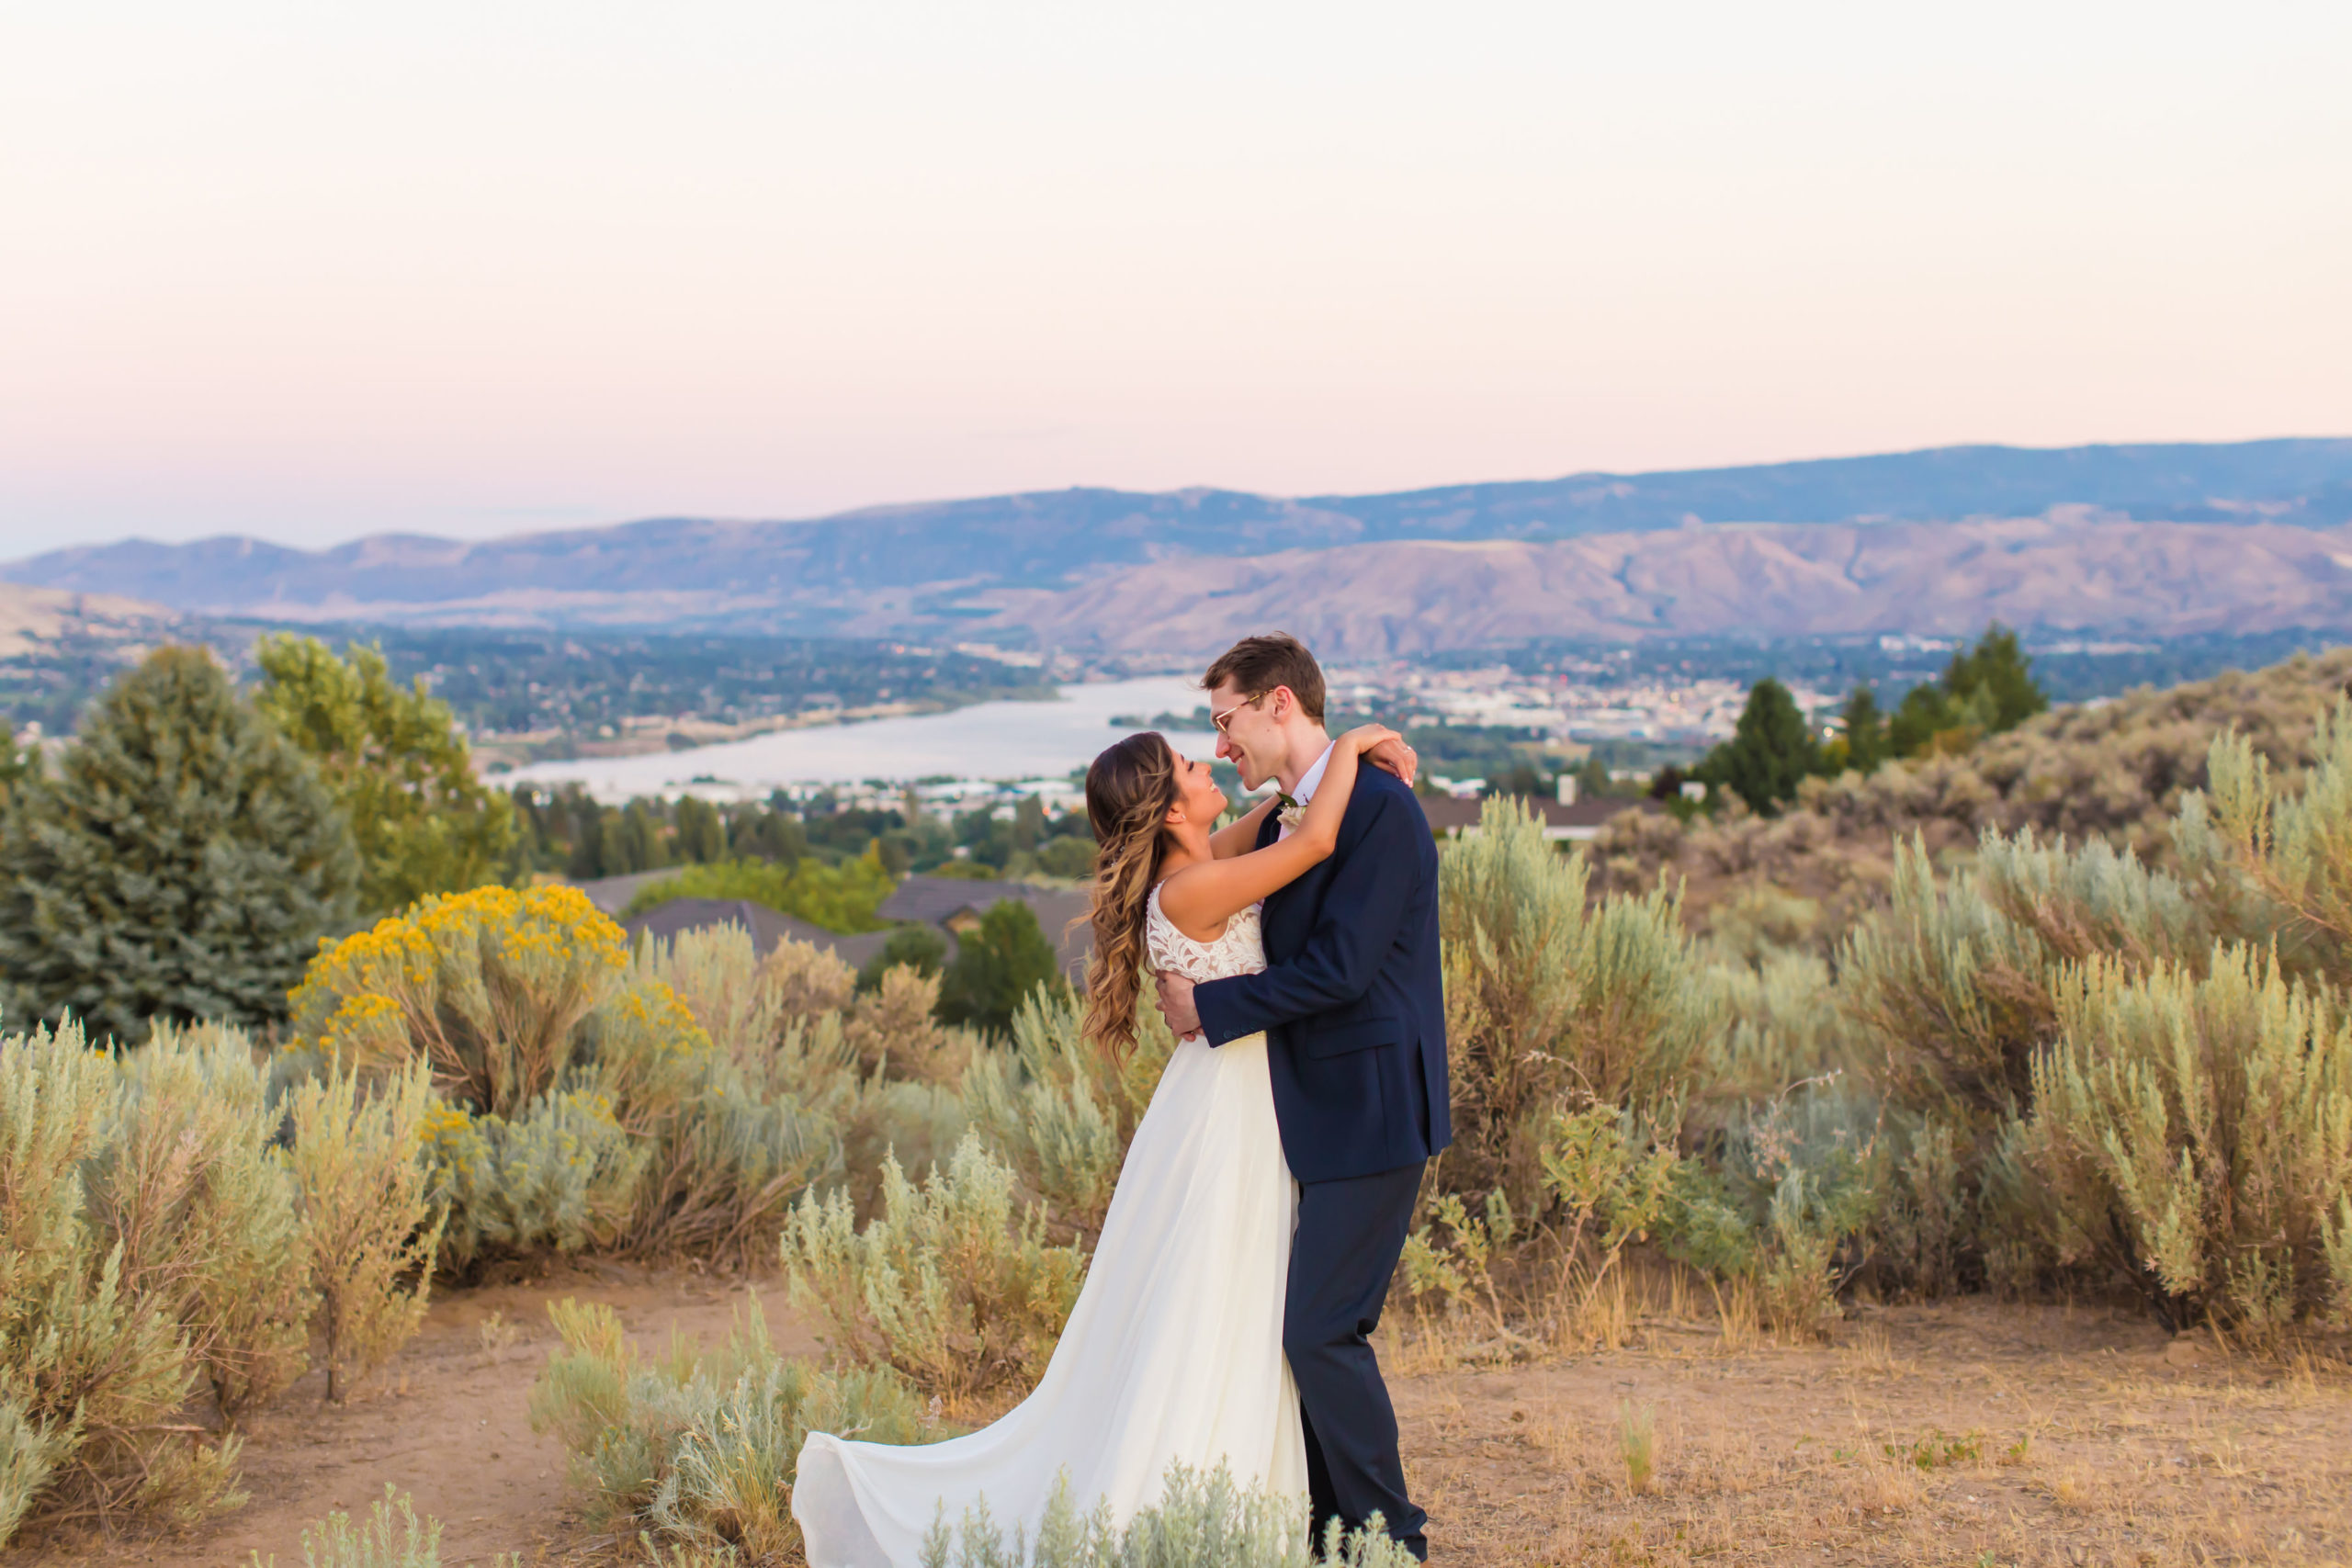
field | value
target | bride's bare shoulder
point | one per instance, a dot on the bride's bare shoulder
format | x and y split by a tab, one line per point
1169	896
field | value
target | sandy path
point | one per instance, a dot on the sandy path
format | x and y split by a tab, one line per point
447	1424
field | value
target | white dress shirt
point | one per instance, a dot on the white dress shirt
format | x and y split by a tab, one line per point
1307	786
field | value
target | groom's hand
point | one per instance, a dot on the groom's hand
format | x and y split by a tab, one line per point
1176	1003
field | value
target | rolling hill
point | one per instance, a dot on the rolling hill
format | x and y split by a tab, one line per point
2146	538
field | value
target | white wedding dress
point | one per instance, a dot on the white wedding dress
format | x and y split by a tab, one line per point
1174	1352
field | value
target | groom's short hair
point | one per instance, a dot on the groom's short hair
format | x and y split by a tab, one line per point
1258	664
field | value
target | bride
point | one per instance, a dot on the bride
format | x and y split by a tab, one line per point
1174	1350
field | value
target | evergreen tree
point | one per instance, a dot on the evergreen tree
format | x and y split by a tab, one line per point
1924	712
997	967
1067	856
918	947
586	862
1028	823
702	837
1999	669
183	863
1519	779
638	845
1771	750
1987	688
1865	728
1592	779
399	768
769	833
535	846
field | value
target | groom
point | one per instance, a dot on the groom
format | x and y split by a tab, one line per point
1354	1016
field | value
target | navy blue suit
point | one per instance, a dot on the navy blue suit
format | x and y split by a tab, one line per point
1352	1005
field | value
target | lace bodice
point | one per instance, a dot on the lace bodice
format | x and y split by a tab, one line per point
1240	951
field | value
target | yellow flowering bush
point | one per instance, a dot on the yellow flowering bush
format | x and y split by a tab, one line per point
581	1102
491	987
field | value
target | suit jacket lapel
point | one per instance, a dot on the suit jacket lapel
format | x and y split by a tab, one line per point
1268	831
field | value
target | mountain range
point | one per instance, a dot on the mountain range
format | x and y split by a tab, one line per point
2140	539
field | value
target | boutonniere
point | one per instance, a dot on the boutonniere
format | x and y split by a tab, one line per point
1290	813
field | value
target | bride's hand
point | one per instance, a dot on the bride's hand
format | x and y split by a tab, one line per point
1384	747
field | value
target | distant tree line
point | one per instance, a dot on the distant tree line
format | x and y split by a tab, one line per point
569	833
185	856
1987	688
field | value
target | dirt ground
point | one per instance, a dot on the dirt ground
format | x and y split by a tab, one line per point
447	1424
1974	1433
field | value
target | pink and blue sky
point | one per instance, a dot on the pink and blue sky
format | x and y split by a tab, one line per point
312	271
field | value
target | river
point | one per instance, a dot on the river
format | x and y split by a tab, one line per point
987	740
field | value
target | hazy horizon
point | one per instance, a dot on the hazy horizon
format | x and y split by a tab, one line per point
309	276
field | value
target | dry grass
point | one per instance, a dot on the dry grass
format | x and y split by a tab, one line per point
1972	1433
1967	1434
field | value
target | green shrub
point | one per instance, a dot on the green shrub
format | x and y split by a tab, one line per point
560	1178
392	1537
2092	899
1779	1023
743	1005
585	1103
1612	1172
1951	989
807	980
1058	1109
1202	1520
1952	993
946	1284
918	947
397	764
1552	1002
370	1225
203	1209
826	1079
1455	1271
93	1370
2194	1134
998	964
1929	1223
698	1447
1782	1202
893	1028
2294	852
837	898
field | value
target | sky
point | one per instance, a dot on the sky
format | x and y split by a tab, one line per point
308	272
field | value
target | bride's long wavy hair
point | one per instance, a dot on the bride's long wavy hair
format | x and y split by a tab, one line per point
1128	791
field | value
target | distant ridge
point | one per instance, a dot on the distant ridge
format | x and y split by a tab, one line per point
1001	563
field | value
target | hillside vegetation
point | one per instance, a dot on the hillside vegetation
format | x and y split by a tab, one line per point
2117	771
2028	1059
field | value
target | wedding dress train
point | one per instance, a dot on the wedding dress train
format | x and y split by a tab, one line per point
1174	1352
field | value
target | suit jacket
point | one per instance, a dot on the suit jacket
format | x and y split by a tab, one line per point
1353	1002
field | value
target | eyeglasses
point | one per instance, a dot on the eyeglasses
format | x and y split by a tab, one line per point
1222	719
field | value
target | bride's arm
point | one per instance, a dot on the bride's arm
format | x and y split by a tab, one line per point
1240	836
1207	895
